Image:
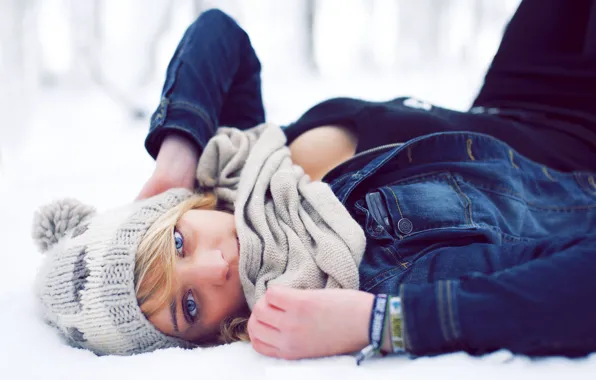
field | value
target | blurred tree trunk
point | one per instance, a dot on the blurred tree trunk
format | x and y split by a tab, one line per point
310	16
12	15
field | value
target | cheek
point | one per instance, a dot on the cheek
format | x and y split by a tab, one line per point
239	300
231	300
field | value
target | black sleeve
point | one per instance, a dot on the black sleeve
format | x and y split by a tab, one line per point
373	123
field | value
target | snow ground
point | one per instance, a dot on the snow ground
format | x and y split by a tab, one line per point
80	144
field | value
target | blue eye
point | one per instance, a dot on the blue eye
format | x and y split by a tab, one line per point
179	242
190	307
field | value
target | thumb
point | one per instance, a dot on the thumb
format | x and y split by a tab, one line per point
151	188
146	192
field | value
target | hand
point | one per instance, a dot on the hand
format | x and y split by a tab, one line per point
176	166
293	324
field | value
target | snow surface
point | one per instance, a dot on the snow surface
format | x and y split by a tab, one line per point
83	145
75	141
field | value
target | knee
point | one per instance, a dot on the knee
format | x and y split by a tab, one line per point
216	17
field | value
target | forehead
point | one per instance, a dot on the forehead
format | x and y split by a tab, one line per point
207	219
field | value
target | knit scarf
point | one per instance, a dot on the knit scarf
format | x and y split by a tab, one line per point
292	231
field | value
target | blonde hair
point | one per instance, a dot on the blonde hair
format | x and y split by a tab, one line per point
154	266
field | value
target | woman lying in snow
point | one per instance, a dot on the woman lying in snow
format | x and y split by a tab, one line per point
430	231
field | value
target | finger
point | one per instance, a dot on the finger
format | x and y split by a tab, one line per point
279	297
142	195
263	332
147	191
285	298
269	315
265	349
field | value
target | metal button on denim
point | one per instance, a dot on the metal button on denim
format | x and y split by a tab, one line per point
405	226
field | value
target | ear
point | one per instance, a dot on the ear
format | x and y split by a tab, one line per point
52	221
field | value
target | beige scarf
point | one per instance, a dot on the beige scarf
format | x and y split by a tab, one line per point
292	231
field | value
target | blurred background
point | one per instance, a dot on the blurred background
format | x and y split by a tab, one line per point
80	78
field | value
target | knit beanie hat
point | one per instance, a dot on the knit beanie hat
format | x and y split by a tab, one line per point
86	282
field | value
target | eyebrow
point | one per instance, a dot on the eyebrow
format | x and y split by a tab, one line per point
173	315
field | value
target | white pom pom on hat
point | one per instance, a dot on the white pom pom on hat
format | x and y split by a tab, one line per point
52	221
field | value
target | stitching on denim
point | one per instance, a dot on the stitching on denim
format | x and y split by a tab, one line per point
468	205
441	306
194	109
450	308
532	206
504	235
409	151
469	149
387	274
390	253
342	177
547	174
445	177
592	183
395	253
422	177
497	189
396	202
336	182
511	159
584	185
448	179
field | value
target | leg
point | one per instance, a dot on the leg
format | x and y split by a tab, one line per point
541	63
212	80
590	37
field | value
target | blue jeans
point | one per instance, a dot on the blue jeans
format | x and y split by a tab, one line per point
487	249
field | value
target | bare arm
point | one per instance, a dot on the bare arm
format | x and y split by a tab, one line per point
321	149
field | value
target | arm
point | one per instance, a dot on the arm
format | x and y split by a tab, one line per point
213	79
175	166
370	124
321	149
542	307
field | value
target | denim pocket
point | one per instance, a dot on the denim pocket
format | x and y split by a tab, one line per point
427	202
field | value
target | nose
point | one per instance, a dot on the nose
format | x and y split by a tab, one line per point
208	268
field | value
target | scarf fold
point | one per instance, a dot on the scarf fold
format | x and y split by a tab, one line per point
292	231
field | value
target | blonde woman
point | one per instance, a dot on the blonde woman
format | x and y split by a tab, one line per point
403	228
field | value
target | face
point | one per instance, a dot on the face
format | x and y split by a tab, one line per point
206	286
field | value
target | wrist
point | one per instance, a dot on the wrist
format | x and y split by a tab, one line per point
176	162
176	145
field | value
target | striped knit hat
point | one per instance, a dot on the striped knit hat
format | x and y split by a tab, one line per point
86	283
